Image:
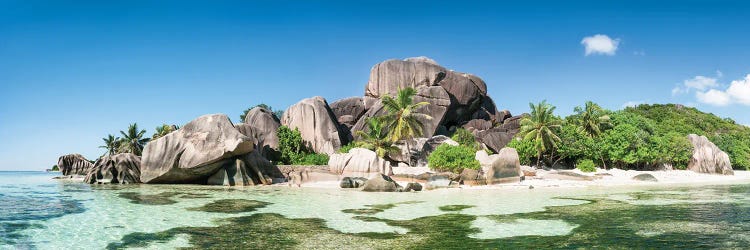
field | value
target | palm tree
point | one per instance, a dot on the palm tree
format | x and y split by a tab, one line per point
402	120
540	128
111	143
163	130
133	141
592	119
375	138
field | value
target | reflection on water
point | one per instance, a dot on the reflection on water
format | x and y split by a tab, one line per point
36	211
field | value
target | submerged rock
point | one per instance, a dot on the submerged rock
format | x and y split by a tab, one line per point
122	168
352	182
195	152
708	158
381	183
645	177
317	124
74	164
413	186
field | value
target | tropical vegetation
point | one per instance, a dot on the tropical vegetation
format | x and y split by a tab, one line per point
375	138
452	158
294	151
642	137
163	130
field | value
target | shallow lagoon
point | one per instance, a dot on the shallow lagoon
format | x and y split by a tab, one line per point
39	212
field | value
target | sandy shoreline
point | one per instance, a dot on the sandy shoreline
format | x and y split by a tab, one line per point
601	178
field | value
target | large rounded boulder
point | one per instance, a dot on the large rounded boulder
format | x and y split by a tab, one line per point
74	164
261	125
359	162
194	152
503	167
708	158
348	110
122	168
317	125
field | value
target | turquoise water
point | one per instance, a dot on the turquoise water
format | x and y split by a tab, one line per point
37	212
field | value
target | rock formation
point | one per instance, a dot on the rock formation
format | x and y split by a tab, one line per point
74	164
317	125
419	148
261	124
122	168
708	158
381	183
194	152
348	110
504	166
359	162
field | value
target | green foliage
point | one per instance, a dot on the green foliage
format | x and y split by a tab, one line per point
294	151
163	130
132	141
277	113
313	159
452	158
586	165
111	144
402	120
345	149
591	119
541	128
465	138
55	168
376	138
525	149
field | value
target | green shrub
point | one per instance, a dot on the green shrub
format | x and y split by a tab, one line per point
586	165
465	138
345	149
313	159
452	158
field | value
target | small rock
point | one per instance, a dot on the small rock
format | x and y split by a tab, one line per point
645	177
352	182
381	183
413	186
437	181
531	187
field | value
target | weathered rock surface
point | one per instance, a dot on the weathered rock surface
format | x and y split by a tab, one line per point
464	97
261	124
74	164
504	166
439	103
708	158
381	183
246	170
437	181
645	177
567	175
478	125
317	124
359	162
415	155
472	177
122	168
348	110
495	138
194	152
413	186
352	182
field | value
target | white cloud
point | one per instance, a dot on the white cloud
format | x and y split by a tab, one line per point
713	97
701	83
632	104
639	53
738	92
600	45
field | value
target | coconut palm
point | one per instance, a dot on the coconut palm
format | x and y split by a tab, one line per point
163	130
111	143
403	121
375	138
540	128
133	141
592	119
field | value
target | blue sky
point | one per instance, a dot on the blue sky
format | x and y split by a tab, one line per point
71	73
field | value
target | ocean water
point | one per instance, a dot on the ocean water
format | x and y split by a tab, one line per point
38	212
